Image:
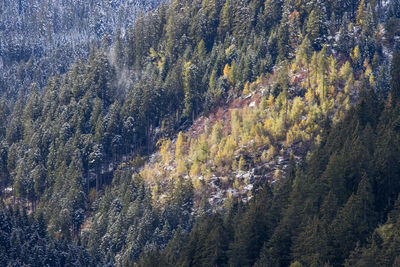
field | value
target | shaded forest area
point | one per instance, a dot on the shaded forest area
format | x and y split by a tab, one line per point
73	152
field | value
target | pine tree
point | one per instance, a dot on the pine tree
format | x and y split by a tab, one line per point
241	19
316	28
179	146
272	12
344	43
311	247
294	31
250	234
394	9
4	174
304	54
395	80
356	57
192	90
355	220
15	128
4	114
283	34
323	68
283	80
360	17
226	20
314	72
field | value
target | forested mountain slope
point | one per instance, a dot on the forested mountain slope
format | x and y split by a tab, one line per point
218	133
339	207
24	242
42	38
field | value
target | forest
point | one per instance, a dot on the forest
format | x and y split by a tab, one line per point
200	133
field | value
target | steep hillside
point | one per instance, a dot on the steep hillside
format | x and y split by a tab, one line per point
338	208
215	133
24	242
42	38
251	138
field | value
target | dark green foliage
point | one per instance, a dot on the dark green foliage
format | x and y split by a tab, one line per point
68	139
208	244
283	37
24	242
395	79
67	150
316	28
333	207
253	227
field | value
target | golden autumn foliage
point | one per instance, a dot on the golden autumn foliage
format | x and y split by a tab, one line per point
267	130
227	71
179	146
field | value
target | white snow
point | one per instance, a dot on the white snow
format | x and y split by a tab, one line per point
248	187
8	189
